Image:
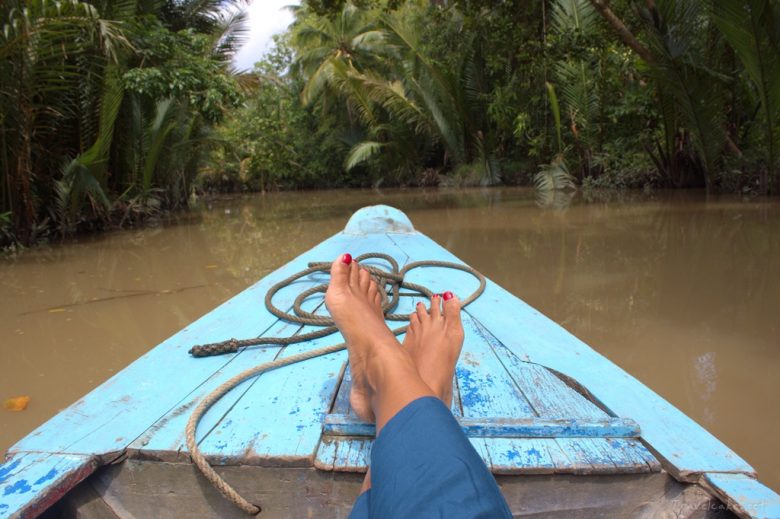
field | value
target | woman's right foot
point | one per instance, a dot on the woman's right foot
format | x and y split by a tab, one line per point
434	340
354	302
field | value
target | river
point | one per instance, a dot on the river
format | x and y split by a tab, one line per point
680	289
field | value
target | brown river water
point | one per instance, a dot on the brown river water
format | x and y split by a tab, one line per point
680	289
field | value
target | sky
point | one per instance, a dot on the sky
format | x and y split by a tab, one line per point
266	18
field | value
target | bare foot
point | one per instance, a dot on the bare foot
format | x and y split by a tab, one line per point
434	340
354	302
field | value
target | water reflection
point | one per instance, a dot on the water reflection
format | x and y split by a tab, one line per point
680	289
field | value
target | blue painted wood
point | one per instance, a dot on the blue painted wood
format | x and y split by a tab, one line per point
30	483
165	439
549	396
526	455
509	456
279	420
492	427
378	219
688	449
485	388
743	495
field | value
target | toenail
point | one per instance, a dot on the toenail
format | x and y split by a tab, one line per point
448	295
436	295
346	258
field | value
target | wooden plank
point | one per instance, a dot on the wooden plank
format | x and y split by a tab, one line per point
525	456
641	496
585	457
165	439
549	396
341	403
121	409
149	489
353	455
687	449
145	489
480	445
326	453
490	427
627	455
280	417
485	388
743	495
32	483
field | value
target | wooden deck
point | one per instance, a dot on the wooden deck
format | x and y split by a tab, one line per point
534	400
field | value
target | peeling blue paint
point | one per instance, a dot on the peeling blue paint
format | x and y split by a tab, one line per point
295	411
47	477
19	487
533	452
470	395
227	424
221	445
7	468
511	455
299	428
3	506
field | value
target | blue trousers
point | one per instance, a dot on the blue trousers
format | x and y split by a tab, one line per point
422	465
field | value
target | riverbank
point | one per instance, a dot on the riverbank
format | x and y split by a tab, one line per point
675	287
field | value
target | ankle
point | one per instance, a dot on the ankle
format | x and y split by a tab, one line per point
387	360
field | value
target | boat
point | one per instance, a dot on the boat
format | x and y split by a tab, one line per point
566	432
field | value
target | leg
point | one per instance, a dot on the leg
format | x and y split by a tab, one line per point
423	464
434	340
384	376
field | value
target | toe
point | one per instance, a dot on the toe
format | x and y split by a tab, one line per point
451	307
435	306
364	278
414	322
354	275
339	270
422	312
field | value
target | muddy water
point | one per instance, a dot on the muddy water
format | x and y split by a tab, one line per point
681	290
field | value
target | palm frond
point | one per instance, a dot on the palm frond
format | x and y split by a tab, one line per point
554	176
361	153
748	27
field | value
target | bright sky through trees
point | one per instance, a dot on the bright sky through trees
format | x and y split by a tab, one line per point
266	18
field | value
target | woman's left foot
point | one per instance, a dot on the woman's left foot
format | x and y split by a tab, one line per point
434	340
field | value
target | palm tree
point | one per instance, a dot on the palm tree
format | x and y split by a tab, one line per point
328	47
44	47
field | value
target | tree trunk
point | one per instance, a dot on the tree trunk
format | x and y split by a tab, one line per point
625	35
23	211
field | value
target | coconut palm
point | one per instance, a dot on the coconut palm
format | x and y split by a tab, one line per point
327	47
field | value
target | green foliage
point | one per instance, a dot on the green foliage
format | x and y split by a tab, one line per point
80	89
554	176
751	28
110	111
274	141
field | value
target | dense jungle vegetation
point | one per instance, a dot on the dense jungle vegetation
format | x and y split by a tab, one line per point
113	111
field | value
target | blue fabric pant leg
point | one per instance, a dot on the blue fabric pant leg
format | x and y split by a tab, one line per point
422	465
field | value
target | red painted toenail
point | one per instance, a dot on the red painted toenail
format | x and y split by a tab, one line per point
436	295
448	295
346	258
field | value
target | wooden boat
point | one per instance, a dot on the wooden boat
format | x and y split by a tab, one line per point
567	432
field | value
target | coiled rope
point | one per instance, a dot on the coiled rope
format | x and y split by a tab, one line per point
392	280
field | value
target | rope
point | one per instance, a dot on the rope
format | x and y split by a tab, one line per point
394	277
